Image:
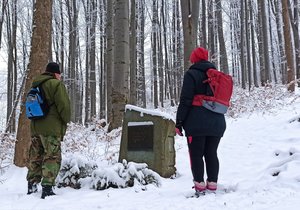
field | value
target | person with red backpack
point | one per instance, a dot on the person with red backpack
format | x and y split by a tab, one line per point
203	127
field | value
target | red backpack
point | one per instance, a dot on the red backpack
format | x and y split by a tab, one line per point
221	86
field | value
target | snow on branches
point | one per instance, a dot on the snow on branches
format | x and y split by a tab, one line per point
123	175
76	172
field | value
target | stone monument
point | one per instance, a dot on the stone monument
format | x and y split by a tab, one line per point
148	137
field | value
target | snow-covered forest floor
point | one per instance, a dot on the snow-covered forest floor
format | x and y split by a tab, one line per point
259	164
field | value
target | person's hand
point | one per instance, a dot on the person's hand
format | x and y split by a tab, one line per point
178	128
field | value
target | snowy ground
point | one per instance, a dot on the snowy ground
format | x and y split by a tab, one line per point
259	168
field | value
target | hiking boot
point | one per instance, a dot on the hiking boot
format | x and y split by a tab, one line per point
32	188
47	191
199	186
211	185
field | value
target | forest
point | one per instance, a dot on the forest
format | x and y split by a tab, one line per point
117	52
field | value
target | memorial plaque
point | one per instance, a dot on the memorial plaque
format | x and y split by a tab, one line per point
140	136
148	137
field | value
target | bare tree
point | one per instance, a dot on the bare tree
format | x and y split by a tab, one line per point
133	58
211	40
90	8
278	19
154	45
39	56
190	16
248	43
253	51
121	63
11	26
272	46
242	44
87	13
294	18
265	68
203	35
141	86
223	54
288	46
109	57
3	9
167	67
74	75
93	18
103	77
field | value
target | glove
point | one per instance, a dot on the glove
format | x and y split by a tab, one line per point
178	128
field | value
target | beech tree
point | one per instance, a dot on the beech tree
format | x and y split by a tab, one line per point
190	16
39	57
120	74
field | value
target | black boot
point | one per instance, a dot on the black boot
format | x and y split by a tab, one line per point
47	191
32	188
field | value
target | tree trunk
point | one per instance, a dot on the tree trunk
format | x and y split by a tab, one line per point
93	11
295	26
288	46
190	15
179	52
3	9
154	44
160	69
39	56
248	41
109	56
121	63
253	51
212	33
141	86
62	41
166	54
223	54
242	44
283	70
103	62
87	99
133	80
265	71
11	26
273	61
72	58
203	25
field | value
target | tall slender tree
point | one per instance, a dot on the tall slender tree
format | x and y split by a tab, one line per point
133	50
141	86
154	45
109	60
294	18
265	70
3	9
288	46
121	62
190	16
11	26
223	53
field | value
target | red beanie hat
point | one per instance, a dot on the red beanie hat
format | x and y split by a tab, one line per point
199	54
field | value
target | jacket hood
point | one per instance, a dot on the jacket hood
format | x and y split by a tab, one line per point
203	66
41	78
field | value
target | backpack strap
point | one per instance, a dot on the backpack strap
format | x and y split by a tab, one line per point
42	91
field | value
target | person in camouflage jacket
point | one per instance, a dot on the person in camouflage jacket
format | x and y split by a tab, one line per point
47	133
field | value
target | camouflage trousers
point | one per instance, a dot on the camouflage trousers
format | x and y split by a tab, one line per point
44	159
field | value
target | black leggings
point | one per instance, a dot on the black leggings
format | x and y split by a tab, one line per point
204	146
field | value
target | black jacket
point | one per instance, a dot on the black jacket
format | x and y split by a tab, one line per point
197	120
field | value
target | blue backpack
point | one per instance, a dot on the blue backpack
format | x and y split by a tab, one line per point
36	103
